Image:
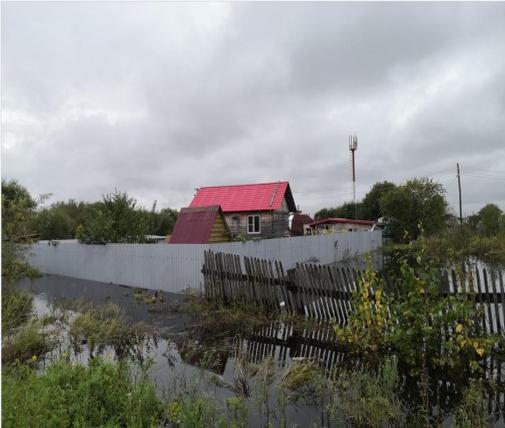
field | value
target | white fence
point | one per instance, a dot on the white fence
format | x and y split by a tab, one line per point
175	267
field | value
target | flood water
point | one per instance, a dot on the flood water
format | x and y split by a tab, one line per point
173	371
169	371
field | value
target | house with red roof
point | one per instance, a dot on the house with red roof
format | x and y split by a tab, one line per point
251	210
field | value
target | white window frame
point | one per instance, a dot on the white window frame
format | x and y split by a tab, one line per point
248	224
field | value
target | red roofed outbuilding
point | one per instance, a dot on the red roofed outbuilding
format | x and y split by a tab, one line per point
254	210
200	225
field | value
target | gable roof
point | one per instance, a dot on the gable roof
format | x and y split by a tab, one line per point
194	225
246	197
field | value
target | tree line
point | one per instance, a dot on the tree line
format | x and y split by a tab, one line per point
119	218
115	218
419	201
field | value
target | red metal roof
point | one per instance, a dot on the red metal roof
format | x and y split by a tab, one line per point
193	225
246	197
333	220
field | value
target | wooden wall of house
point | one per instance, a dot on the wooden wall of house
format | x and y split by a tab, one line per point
273	224
219	232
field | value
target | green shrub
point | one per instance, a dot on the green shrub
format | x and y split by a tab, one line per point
28	343
16	309
416	322
73	395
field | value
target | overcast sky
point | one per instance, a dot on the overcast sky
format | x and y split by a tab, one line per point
160	98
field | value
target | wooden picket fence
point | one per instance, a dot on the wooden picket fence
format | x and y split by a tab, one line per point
324	292
284	343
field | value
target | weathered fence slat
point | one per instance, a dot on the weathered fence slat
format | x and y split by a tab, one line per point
325	292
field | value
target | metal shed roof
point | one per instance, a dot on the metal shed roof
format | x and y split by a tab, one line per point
194	225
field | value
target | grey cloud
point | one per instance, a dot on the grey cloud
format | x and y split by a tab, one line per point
160	98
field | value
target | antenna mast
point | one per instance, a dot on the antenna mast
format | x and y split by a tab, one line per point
353	146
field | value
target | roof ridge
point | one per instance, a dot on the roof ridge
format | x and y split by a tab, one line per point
246	184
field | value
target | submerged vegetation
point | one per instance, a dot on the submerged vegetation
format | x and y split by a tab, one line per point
417	322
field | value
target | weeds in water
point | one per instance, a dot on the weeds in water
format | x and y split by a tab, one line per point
205	356
366	400
106	326
29	343
223	320
473	410
300	375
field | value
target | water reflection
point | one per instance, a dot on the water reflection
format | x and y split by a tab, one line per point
181	361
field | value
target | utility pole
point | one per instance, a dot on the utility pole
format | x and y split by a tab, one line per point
459	188
353	146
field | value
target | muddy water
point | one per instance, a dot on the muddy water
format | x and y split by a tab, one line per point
169	370
173	372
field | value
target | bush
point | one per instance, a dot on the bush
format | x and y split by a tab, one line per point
74	395
416	321
16	309
28	343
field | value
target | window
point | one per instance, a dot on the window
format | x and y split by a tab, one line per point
253	224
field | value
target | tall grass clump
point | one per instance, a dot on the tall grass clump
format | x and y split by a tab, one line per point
29	343
106	326
364	399
102	394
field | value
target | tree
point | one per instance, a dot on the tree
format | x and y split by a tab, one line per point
54	223
420	201
18	208
115	219
490	219
165	221
346	210
370	206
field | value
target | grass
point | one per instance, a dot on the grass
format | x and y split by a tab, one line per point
221	320
473	410
300	375
106	326
102	394
29	343
454	244
367	400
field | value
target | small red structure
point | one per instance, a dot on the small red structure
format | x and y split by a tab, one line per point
200	225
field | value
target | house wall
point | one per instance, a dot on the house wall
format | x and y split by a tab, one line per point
273	224
219	233
339	227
